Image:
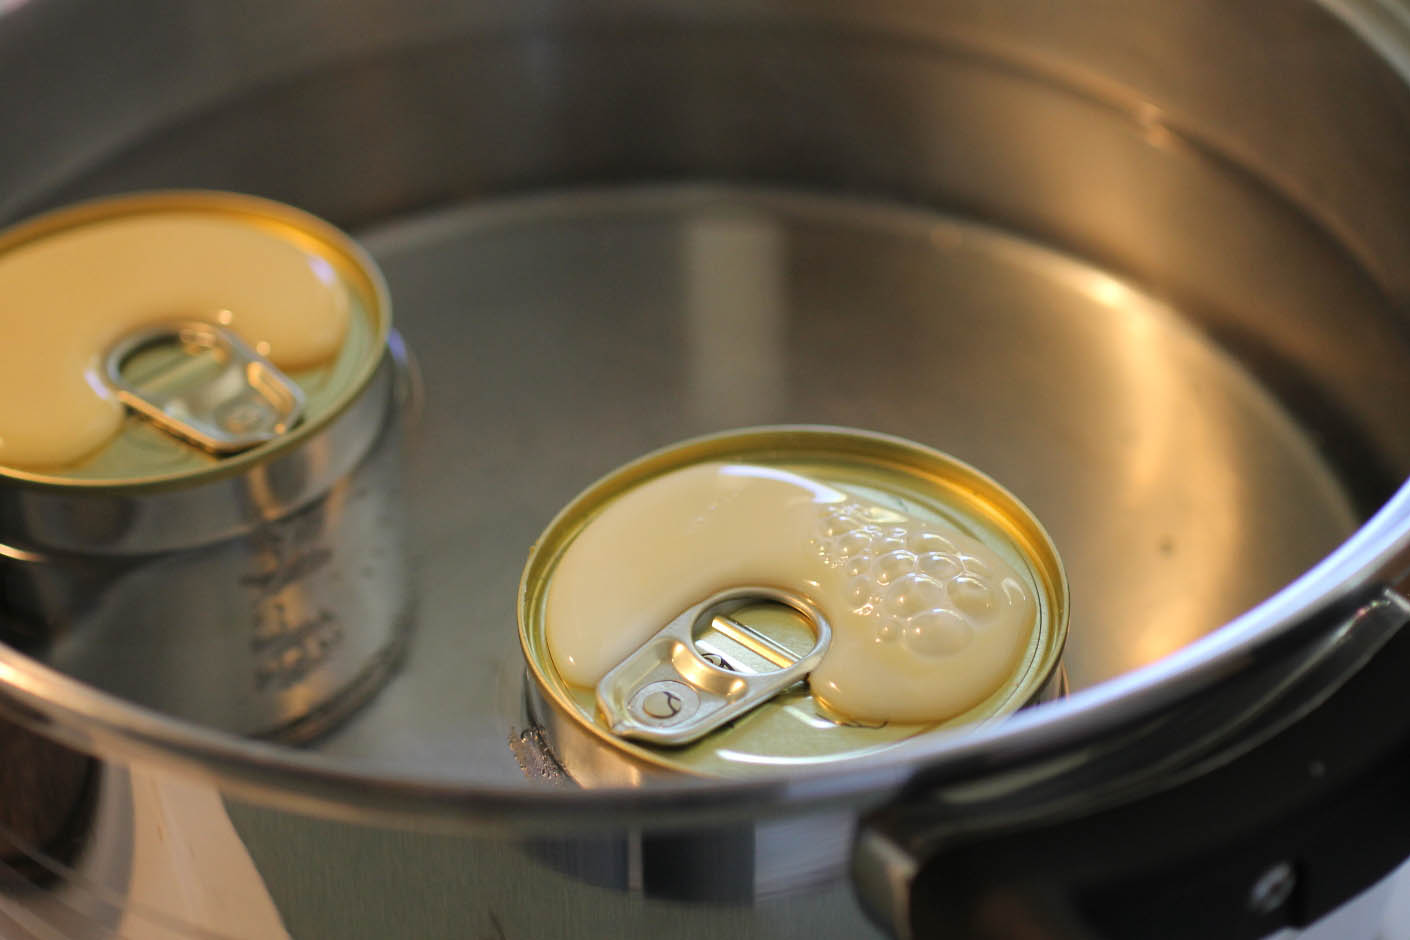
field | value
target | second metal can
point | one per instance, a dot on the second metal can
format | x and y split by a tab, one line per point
263	593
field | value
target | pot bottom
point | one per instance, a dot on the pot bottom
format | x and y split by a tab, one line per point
561	335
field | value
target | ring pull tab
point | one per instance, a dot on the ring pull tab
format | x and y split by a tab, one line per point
201	383
670	692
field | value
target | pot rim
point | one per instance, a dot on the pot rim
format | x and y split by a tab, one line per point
69	711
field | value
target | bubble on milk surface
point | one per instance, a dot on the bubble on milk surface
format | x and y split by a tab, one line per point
922	590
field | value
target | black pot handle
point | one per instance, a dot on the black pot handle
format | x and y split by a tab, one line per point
1195	824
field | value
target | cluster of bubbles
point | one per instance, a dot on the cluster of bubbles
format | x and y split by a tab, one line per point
923	591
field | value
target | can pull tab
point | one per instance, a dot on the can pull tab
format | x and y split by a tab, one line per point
202	383
668	692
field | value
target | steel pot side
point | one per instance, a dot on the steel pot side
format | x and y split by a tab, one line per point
1249	131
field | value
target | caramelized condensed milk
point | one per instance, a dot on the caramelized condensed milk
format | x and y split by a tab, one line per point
944	599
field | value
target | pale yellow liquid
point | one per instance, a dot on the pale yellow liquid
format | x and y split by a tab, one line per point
66	298
927	621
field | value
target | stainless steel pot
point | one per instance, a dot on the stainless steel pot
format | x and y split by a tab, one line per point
1145	263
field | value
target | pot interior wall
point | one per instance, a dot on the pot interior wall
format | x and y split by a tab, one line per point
1172	330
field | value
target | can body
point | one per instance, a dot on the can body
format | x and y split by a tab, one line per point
265	596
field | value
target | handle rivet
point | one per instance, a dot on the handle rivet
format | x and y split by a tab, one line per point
1272	889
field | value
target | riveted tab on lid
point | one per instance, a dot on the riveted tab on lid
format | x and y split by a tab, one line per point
705	669
202	383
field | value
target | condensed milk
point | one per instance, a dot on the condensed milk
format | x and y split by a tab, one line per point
946	600
75	282
927	620
68	297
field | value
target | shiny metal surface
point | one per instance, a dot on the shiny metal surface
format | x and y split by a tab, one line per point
275	626
659	696
247	402
1142	262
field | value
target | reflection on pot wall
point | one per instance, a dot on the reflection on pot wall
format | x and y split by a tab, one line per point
150	856
130	854
736	317
47	798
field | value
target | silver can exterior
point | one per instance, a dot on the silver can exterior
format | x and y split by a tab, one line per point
273	625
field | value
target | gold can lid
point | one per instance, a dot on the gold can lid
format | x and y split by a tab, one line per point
796	728
176	302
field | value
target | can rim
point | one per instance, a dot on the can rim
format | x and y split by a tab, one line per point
803	440
357	267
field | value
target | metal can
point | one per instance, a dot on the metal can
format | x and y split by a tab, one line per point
262	592
792	729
